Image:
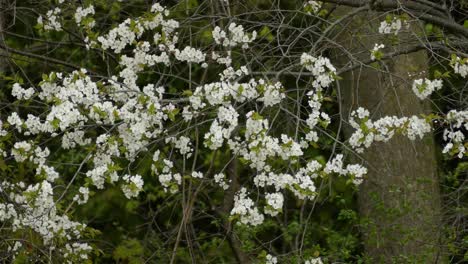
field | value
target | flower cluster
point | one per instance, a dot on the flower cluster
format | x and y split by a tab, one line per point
274	203
133	186
423	88
83	195
51	22
383	129
33	207
132	29
182	144
233	36
323	71
119	119
21	93
83	13
460	65
312	7
392	25
123	118
258	146
245	209
220	179
190	54
269	259
164	169
302	182
456	141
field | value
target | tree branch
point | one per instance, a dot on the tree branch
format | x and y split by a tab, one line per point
39	57
421	11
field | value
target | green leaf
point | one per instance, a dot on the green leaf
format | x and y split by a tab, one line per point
265	32
129	251
173	113
429	28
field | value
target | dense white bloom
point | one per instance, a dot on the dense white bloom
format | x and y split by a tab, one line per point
170	181
357	171
272	93
417	128
335	165
383	129
83	12
234	36
322	70
20	93
289	148
14	120
245	208
51	21
391	25
21	151
182	144
190	54
453	135
72	139
133	187
64	115
460	65
424	88
83	195
255	124
220	179
119	37
274	203
97	176
35	211
117	120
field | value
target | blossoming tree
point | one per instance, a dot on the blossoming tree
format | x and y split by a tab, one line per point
205	112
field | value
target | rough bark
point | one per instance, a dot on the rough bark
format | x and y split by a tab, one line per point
400	200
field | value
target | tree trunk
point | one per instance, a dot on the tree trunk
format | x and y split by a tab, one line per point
399	202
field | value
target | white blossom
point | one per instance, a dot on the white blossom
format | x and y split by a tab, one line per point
20	93
424	88
220	179
460	65
234	36
314	261
83	12
245	208
133	186
391	25
313	7
271	259
51	21
322	70
274	203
